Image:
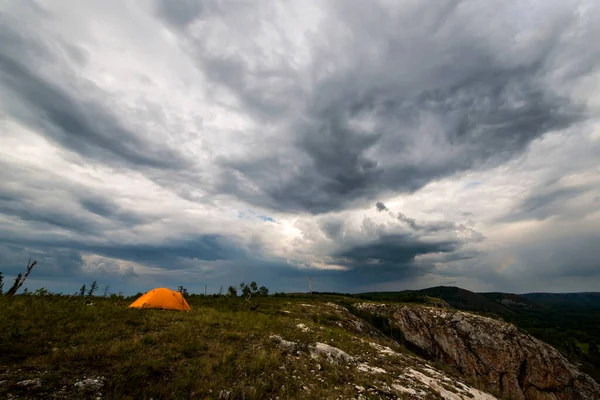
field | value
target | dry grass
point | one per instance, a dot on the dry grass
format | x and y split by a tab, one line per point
220	348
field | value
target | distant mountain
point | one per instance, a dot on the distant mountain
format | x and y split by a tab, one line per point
516	302
584	300
454	296
466	300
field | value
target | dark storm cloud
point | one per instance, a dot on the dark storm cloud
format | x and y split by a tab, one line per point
572	256
384	250
429	227
436	78
164	254
390	257
371	101
380	206
548	201
479	123
43	198
181	13
52	262
69	118
63	270
48	218
333	228
202	247
409	221
109	210
61	262
393	250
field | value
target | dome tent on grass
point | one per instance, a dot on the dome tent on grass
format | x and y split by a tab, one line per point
163	299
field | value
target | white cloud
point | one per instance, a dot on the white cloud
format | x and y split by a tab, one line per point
278	127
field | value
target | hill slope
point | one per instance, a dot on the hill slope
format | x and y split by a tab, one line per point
67	347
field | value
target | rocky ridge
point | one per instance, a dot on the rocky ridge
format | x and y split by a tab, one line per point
492	354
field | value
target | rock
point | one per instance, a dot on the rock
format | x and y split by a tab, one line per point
363	367
30	383
303	328
504	361
90	384
333	354
285	345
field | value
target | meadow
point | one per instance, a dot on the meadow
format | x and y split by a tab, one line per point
49	344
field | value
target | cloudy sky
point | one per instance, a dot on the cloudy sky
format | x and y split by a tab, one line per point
371	145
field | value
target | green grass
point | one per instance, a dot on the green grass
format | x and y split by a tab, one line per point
220	346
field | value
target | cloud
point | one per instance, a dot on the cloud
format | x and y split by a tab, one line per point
380	206
108	209
546	201
73	121
203	142
410	221
361	131
183	12
395	252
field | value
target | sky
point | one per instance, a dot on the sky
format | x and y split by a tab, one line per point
380	145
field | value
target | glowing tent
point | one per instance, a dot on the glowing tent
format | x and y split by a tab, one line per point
162	298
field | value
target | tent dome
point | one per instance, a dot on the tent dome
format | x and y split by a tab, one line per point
162	298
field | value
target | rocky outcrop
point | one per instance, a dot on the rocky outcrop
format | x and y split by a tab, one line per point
383	372
492	353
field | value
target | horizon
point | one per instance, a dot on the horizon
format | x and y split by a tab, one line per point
99	292
372	147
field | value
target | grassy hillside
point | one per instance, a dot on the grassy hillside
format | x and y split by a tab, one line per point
220	346
67	347
79	347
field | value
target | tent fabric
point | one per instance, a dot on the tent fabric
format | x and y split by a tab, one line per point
162	298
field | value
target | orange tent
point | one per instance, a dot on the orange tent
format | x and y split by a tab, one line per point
162	298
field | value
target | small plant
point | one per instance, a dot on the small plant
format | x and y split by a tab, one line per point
182	290
232	291
245	289
252	289
41	292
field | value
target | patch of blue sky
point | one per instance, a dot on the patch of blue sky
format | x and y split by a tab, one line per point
252	214
472	184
